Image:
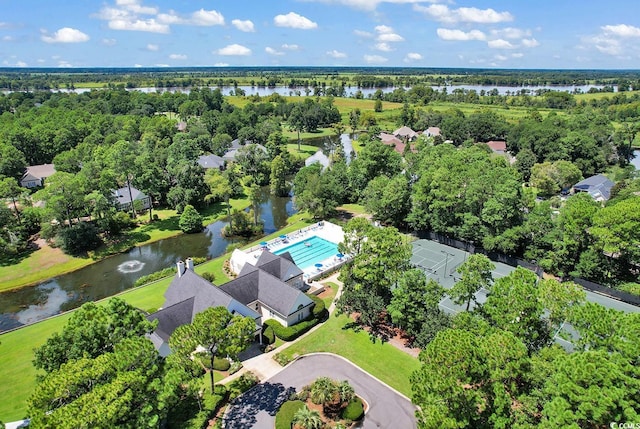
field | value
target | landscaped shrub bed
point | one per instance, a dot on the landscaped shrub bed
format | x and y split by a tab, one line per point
292	332
243	383
284	416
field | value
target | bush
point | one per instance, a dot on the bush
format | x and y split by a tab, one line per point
292	332
318	308
220	390
49	231
268	336
190	220
155	276
632	288
284	416
208	276
235	367
197	260
221	364
354	411
79	238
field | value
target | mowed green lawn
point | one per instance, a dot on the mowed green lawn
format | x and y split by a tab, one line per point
381	360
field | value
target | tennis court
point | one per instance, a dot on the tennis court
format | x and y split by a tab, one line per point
440	262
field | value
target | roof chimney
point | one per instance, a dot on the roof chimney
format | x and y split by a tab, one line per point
189	264
180	265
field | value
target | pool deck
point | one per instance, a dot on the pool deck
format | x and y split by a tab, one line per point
323	229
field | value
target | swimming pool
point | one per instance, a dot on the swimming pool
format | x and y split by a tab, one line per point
309	252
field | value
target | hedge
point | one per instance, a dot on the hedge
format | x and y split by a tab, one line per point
290	333
354	411
318	308
268	336
284	416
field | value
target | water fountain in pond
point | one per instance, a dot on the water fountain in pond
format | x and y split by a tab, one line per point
130	266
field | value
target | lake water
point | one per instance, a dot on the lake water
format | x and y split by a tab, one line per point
327	146
117	273
351	91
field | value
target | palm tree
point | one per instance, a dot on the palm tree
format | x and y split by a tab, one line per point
346	391
323	391
307	419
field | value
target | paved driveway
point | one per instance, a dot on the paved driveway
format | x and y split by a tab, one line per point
257	407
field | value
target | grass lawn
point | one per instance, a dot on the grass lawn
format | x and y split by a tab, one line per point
381	360
39	265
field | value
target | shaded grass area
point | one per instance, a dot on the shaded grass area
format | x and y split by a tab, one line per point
17	374
39	265
382	360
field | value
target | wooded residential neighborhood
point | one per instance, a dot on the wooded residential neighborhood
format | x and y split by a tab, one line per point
545	179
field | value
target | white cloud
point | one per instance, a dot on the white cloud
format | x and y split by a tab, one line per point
510	33
386	34
530	43
370	5
442	13
234	50
152	47
500	44
178	56
162	65
362	33
290	47
336	54
500	57
135	6
66	35
246	26
148	25
207	18
64	64
412	56
269	50
375	59
459	35
621	30
109	42
221	65
137	66
517	55
384	47
7	38
293	20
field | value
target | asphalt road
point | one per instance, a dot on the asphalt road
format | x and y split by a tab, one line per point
257	407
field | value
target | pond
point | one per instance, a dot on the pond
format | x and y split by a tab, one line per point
117	273
327	145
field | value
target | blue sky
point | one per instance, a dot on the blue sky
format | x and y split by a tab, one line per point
565	34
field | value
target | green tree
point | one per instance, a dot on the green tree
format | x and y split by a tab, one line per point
91	331
469	380
254	197
222	333
278	177
414	306
119	388
475	274
9	188
377	106
514	305
12	161
388	199
190	220
616	229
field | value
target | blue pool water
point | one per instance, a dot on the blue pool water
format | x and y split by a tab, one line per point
309	252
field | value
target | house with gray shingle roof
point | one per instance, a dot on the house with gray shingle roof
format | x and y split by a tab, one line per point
405	133
124	198
211	161
255	293
598	186
35	175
